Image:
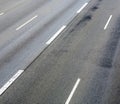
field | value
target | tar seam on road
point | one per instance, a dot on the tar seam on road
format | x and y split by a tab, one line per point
27	22
56	34
7	85
108	22
1	13
73	91
82	8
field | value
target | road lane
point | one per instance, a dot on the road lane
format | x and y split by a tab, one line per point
80	52
10	34
44	18
5	4
17	13
15	57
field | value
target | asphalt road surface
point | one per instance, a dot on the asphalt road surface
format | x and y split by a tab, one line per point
26	28
60	52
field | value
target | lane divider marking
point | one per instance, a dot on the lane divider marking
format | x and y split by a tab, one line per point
73	91
6	86
26	22
82	8
55	35
108	22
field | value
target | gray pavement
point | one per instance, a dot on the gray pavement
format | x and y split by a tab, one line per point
84	50
20	47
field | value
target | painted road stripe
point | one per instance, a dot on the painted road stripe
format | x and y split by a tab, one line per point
27	22
108	22
55	35
73	91
5	87
82	8
1	14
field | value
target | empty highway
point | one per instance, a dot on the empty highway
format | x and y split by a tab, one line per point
59	52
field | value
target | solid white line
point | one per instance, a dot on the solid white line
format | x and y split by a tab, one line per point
73	90
108	22
27	22
82	8
1	14
55	35
5	87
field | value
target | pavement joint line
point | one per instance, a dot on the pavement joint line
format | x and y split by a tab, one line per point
82	8
56	34
11	80
26	22
108	22
1	13
73	91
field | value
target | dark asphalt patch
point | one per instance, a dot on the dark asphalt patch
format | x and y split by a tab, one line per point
87	17
94	8
95	91
84	19
81	23
111	47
